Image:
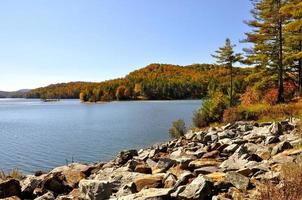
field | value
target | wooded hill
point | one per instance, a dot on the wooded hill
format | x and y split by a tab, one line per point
156	81
15	94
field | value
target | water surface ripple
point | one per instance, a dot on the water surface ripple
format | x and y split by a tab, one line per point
35	135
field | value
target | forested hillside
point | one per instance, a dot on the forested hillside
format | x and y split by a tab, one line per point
60	91
14	94
156	81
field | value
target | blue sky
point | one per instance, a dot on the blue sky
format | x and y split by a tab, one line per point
51	41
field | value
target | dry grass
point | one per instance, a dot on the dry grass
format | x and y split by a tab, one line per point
289	187
15	174
264	112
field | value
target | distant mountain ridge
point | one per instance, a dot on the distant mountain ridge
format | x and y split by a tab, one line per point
14	94
153	82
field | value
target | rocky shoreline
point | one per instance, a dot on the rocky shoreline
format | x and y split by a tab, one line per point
218	163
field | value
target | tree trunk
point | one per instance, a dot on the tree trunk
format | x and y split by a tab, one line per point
300	68
280	58
231	95
300	77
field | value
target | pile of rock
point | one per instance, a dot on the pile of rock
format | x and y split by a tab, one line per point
219	163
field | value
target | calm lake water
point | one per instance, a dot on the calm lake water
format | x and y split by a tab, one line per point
35	135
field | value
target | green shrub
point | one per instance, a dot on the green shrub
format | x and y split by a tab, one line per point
199	119
211	110
178	129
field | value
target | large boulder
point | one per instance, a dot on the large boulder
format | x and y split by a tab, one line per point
149	181
163	165
204	162
150	194
10	188
281	147
73	173
143	168
276	128
94	189
117	177
169	180
234	162
29	183
126	190
73	195
124	156
238	180
46	196
199	188
12	198
55	182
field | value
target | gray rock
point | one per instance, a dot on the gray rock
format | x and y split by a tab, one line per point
245	127
190	135
126	190
118	177
29	184
143	155
149	194
151	163
124	156
178	190
282	159
276	128
228	126
238	180
163	165
199	188
206	170
225	141
231	148
226	134
169	180
94	189
281	147
272	139
183	179
46	196
271	175
9	188
199	136
234	162
153	152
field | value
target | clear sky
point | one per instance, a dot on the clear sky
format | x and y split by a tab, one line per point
51	41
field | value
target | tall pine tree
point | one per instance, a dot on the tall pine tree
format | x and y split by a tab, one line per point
226	56
292	10
267	37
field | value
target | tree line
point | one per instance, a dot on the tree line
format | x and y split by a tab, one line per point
153	82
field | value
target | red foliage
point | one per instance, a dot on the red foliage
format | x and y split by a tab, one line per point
231	115
249	97
289	90
271	96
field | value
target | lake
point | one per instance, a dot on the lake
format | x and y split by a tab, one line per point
38	135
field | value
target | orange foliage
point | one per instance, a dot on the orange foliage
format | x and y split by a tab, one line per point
249	97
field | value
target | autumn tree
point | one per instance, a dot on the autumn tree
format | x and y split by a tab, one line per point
137	90
292	11
267	38
120	92
227	57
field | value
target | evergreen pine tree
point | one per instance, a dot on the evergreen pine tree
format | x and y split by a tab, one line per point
226	56
267	37
292	10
